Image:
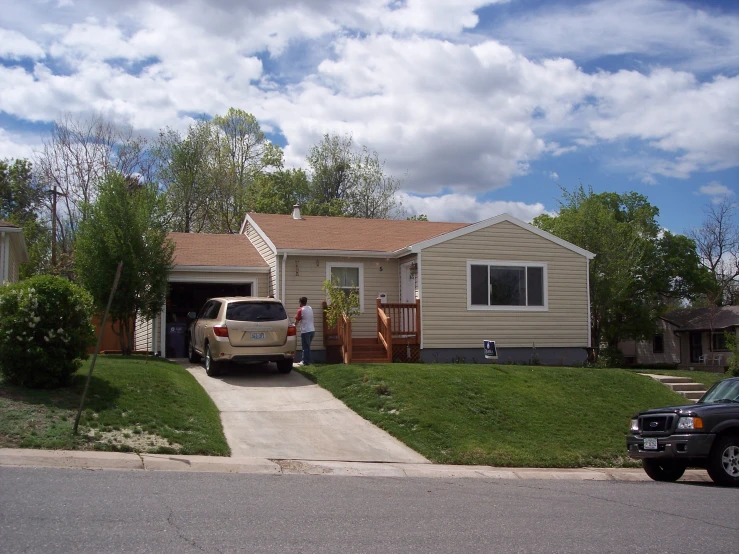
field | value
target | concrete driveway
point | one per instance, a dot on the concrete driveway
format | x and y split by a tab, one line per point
267	414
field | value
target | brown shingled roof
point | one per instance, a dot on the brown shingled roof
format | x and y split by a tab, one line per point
345	233
697	319
215	250
7	224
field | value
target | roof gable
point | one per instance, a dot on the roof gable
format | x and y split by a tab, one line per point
494	221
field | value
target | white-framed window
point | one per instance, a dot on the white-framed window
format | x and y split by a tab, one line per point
350	277
507	285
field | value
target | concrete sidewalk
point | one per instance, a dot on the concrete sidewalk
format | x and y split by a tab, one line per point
74	459
266	414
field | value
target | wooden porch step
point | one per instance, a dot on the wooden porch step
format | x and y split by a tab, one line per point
368	351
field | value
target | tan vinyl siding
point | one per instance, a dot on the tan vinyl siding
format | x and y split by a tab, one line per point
305	276
266	252
645	349
447	323
206	276
3	253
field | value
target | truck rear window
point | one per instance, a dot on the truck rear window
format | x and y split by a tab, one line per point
256	311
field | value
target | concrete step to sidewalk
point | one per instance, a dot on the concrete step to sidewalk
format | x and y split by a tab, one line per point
685	386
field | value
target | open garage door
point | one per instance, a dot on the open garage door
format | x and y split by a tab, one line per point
190	297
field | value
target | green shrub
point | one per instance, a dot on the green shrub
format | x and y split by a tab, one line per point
731	344
45	330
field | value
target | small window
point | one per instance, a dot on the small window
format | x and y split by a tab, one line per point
349	277
496	285
203	313
719	342
658	344
256	311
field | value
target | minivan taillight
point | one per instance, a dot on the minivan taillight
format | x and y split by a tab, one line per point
291	330
220	331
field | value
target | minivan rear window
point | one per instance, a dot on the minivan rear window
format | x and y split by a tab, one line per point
256	311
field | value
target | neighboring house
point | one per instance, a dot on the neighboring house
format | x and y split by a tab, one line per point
12	252
446	287
690	337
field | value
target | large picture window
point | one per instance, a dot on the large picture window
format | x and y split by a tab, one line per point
496	285
350	276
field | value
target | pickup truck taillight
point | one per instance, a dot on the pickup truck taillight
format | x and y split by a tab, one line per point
220	331
291	332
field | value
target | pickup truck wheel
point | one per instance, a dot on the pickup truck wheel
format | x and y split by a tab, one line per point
193	356
723	462
285	366
664	470
211	367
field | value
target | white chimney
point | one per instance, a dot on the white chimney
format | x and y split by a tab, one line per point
296	211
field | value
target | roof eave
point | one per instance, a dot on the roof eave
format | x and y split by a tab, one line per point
222	268
336	253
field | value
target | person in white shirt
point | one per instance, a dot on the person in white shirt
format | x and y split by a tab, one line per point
307	329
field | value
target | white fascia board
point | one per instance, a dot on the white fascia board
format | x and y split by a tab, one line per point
337	253
258	229
221	268
493	221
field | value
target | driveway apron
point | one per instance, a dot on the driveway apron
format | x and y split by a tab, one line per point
267	414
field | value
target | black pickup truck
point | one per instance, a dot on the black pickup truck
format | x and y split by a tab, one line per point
703	435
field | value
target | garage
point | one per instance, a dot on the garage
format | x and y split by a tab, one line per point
206	266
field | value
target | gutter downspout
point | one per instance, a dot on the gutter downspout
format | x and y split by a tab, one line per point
276	290
587	276
284	264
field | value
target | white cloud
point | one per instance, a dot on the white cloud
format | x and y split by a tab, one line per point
554	176
15	45
716	190
464	208
16	145
692	37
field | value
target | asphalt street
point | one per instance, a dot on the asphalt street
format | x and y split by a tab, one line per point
69	510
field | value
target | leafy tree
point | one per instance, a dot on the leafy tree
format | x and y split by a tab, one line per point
638	268
339	302
125	225
350	183
418	217
21	203
278	192
241	154
184	171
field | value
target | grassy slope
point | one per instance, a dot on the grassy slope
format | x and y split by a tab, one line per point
499	415
128	397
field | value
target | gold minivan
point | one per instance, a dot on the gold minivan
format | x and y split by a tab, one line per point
241	329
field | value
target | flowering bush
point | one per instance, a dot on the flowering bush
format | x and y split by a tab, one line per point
45	330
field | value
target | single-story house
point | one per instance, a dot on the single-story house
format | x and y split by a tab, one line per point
13	252
428	290
688	337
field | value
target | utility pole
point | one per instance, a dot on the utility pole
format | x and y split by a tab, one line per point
53	227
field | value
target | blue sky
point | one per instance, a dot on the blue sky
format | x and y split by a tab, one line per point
480	107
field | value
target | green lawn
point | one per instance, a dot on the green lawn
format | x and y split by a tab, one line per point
132	405
704	377
499	415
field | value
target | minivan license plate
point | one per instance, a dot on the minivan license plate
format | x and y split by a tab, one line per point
260	336
650	444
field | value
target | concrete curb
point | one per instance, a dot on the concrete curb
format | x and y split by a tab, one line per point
75	459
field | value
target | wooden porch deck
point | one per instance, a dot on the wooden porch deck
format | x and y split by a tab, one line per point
398	336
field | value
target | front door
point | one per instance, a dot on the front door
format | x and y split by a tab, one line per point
696	347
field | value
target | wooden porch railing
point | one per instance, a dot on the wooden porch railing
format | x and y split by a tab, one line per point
385	332
344	328
398	323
